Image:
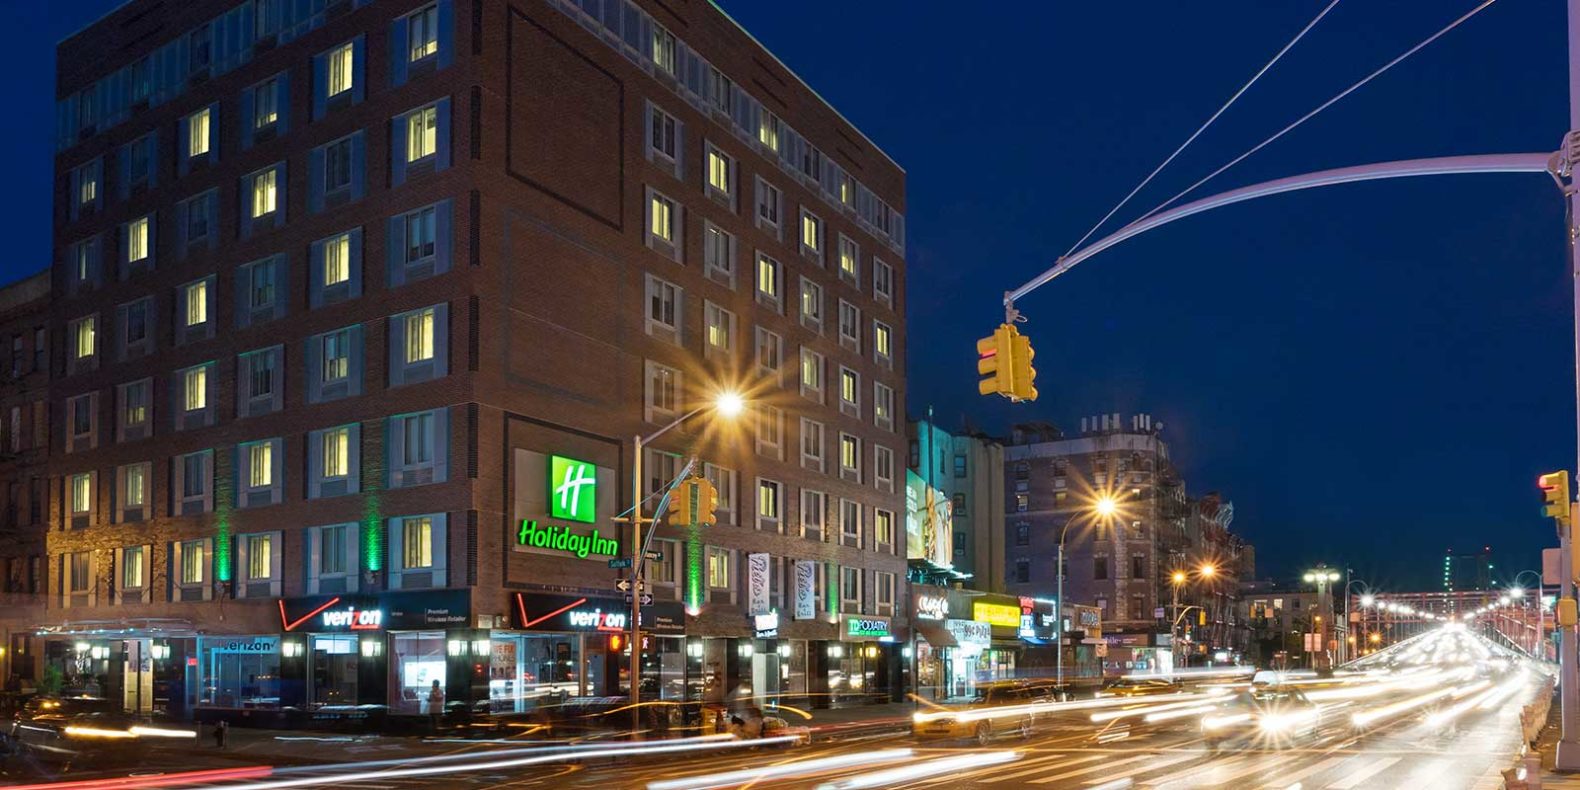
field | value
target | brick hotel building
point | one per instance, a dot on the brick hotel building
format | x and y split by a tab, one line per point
343	290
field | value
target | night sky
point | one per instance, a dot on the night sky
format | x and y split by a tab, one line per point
1372	373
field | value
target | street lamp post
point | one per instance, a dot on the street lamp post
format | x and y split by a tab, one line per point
1105	507
1322	576
1541	606
1348	582
727	405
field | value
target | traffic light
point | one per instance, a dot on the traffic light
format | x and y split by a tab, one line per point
1555	495
1201	616
707	501
616	643
680	504
995	360
1024	375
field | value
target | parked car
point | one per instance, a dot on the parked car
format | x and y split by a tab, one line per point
1141	687
1003	708
1269	715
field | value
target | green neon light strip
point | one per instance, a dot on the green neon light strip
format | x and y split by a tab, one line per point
694	571
224	502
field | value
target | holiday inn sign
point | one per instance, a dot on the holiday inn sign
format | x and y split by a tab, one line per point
572	487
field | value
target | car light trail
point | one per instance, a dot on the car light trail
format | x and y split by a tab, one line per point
923	769
162	780
490	764
782	771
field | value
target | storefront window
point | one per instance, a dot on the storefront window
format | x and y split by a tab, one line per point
417	659
334	668
239	671
792	667
851	670
528	671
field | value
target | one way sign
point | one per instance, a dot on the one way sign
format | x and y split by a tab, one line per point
624	585
647	600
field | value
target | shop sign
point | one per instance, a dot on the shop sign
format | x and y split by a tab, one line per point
931	607
1127	640
573	489
866	627
392	610
970	632
805	590
570	613
756	583
1089	617
1028	626
999	614
559	538
250	644
766	626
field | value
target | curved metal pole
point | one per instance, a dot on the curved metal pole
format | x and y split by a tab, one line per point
1437	166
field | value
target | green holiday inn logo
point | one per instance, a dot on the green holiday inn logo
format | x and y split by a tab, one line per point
562	539
573	489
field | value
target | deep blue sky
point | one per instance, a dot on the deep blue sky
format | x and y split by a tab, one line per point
1372	373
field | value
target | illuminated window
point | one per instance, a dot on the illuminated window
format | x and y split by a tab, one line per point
417	542
133	567
134	403
811	303
134	488
849	453
662	225
137	240
341	64
767	278
811	373
263	193
849	391
260	556
849	257
883	527
720	326
195	299
882	340
768	500
337	259
192	562
718	568
86	332
768	130
422	133
260	466
883	405
194	388
811	234
419	335
81	493
88	183
198	132
719	167
422	33
663	49
337	452
266	104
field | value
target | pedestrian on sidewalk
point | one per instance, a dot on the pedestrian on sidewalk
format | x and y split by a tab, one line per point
221	729
435	707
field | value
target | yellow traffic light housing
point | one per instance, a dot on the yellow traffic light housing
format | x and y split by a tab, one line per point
1004	358
680	512
1555	495
1023	375
995	361
707	501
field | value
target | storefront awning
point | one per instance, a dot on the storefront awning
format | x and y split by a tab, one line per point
935	633
130	627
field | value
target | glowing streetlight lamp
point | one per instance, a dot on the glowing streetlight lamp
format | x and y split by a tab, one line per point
1106	506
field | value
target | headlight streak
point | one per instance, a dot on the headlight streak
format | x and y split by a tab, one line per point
1228	720
1141	708
1364	718
970	714
161	732
561	748
97	732
923	769
1178	713
781	771
630	749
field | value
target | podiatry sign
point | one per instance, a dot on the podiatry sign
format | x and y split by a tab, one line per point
573	489
562	538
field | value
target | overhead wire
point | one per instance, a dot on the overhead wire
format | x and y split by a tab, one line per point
1330	102
1203	127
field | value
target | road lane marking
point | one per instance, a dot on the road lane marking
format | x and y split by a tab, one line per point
1354	780
1217	773
1287	780
1043	764
1077	772
1154	766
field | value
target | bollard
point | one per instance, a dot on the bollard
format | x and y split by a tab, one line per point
1533	772
1514	779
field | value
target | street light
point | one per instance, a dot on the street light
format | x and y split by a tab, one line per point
1105	507
726	404
1322	576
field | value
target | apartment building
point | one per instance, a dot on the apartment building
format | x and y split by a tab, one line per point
24	455
360	306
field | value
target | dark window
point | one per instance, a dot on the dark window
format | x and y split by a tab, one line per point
960	466
1022	571
960	540
1023	534
960	504
1138	566
1099	568
337	165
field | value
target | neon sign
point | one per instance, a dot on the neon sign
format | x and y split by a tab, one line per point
996	614
355	619
598	620
573	489
865	626
562	539
931	607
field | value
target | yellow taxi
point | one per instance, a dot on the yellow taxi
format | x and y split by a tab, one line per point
997	709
